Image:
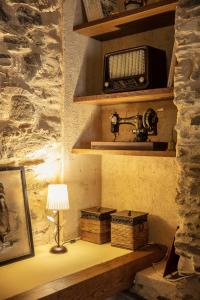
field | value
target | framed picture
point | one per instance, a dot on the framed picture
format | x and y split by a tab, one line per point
16	240
97	9
93	9
109	7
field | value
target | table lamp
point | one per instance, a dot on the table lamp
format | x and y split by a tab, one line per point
57	200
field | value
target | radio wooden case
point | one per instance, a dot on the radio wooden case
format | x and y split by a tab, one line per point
95	224
136	68
129	229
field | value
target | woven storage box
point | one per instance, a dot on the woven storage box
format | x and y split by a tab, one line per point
95	224
129	229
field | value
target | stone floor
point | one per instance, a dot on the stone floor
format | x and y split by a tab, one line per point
151	285
127	296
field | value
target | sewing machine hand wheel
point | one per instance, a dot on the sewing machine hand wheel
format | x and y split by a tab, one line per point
150	121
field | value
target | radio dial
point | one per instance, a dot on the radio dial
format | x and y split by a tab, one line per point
106	84
141	79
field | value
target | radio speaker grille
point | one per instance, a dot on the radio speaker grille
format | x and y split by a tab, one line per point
127	64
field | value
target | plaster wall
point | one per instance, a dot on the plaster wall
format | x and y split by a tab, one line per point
81	123
187	96
143	183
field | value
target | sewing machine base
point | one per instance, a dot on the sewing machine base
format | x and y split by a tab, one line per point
151	146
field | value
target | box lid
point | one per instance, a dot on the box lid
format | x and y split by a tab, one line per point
129	217
97	213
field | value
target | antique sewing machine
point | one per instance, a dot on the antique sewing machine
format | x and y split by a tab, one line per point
144	125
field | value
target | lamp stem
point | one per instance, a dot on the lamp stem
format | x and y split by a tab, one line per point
58	227
58	248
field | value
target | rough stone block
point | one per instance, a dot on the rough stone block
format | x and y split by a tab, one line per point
3	55
37	37
196	263
32	64
3	79
40	4
187	248
195	120
22	109
151	285
3	16
188	153
28	17
14	42
188	3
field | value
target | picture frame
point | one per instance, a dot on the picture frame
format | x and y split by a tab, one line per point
97	9
109	7
16	240
93	9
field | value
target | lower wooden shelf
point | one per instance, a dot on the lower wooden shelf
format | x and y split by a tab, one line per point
161	94
124	152
86	272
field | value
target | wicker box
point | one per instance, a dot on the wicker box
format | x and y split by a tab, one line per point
129	229
95	224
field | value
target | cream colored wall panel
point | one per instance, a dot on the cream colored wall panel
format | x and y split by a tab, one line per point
81	124
143	184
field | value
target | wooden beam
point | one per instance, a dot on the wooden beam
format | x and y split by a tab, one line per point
100	281
124	152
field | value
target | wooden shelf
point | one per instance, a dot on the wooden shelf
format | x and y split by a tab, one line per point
89	275
127	97
124	152
129	22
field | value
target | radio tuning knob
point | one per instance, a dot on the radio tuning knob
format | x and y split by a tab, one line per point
106	84
141	79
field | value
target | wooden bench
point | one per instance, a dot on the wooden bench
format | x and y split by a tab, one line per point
87	271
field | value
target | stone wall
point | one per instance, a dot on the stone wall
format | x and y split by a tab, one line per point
187	100
31	98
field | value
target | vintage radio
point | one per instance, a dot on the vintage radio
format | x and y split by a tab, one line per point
134	69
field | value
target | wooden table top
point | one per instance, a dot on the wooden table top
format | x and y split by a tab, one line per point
45	267
86	272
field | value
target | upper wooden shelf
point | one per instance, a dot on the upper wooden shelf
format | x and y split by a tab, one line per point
129	22
127	97
124	152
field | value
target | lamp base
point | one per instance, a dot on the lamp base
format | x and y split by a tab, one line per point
58	249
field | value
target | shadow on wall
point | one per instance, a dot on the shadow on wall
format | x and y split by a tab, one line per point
91	131
82	173
160	231
91	68
91	71
82	57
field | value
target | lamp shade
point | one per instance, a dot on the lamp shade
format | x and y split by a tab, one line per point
57	198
